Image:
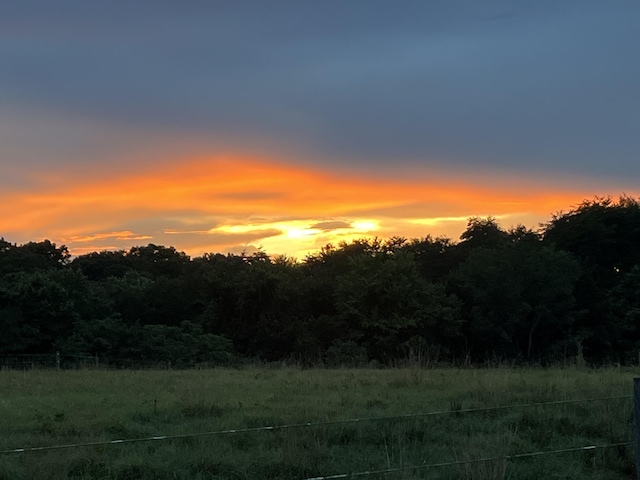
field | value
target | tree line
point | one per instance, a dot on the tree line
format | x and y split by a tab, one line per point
568	289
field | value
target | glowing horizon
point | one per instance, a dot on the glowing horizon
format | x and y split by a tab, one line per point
230	203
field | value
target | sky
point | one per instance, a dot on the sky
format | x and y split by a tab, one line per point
228	126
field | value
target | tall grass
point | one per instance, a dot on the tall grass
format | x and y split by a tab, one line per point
40	408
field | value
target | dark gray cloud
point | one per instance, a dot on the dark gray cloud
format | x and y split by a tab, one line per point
178	221
542	85
330	225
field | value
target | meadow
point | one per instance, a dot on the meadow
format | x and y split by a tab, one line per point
48	407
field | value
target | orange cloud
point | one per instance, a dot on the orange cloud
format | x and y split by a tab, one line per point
223	202
126	235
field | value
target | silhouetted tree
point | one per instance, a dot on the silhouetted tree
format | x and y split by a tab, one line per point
518	301
604	236
32	256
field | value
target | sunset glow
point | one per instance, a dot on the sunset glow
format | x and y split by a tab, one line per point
237	203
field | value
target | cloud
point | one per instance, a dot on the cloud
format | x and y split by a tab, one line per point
186	204
330	225
481	84
173	231
219	238
125	235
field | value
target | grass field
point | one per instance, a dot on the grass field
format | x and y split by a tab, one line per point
40	408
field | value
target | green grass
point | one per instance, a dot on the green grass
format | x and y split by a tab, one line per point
39	408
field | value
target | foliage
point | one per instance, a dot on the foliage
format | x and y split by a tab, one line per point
604	236
518	295
518	301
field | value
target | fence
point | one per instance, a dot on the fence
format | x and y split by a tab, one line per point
47	361
367	473
74	362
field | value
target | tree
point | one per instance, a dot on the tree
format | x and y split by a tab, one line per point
99	266
39	309
483	232
601	233
624	330
158	260
32	256
435	258
383	302
604	236
518	301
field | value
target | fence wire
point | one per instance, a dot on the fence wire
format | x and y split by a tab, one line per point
463	462
307	424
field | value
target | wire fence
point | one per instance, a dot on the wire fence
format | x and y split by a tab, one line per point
467	462
46	361
82	361
60	361
160	437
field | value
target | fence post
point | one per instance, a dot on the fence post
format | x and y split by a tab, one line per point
636	416
57	360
